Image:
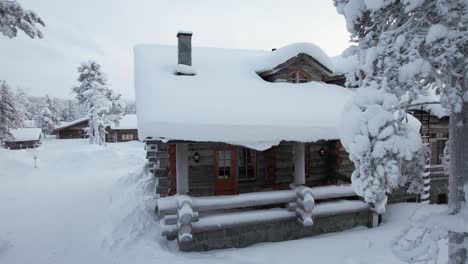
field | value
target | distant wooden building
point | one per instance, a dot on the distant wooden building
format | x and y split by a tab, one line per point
434	132
24	138
125	131
249	144
73	129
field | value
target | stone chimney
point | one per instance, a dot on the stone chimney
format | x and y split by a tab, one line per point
184	51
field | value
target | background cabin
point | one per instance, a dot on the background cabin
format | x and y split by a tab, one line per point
24	138
434	133
73	129
125	131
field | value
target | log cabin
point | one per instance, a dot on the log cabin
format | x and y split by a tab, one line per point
125	130
24	138
434	132
73	129
244	144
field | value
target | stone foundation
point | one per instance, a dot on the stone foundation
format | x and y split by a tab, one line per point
274	232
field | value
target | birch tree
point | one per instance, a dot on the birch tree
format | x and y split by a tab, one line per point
14	18
413	45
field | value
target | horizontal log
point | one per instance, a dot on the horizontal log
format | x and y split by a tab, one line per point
168	205
229	220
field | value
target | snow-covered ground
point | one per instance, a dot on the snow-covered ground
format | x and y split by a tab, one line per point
92	204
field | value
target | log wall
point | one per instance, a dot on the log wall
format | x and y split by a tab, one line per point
274	167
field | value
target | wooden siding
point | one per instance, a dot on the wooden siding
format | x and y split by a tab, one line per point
274	167
283	72
22	144
117	135
74	131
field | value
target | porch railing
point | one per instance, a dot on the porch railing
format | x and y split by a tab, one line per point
183	215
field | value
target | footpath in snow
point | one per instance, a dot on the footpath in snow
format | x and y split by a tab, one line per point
93	204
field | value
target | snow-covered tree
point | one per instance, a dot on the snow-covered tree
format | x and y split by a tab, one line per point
21	99
13	18
48	116
103	106
381	142
410	46
130	107
9	116
68	111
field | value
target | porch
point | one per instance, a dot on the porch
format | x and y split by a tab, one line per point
236	216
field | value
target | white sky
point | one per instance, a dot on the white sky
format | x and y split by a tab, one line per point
107	30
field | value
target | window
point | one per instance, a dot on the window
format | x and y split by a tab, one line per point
224	164
247	164
299	76
127	137
437	149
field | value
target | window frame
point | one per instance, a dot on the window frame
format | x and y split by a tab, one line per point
126	137
225	168
243	159
298	72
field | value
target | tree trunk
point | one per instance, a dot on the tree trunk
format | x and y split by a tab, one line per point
458	178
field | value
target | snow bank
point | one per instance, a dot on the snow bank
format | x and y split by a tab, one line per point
228	102
26	134
131	217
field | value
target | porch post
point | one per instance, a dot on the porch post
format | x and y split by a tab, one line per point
299	163
182	168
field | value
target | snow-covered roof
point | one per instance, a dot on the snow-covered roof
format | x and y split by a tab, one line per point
127	122
435	109
343	65
25	134
228	102
71	123
270	60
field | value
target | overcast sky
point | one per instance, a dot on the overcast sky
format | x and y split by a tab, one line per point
107	30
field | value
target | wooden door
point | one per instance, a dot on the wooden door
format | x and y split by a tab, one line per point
225	171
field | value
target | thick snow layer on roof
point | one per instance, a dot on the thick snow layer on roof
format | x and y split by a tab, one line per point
127	122
26	134
228	102
433	106
344	64
272	59
71	123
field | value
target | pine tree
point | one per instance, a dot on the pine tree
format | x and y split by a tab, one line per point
21	99
48	116
414	45
14	17
68	112
103	106
130	107
9	116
